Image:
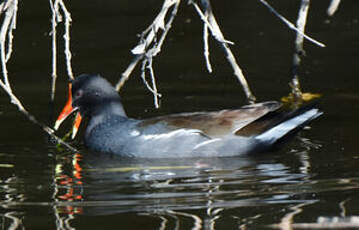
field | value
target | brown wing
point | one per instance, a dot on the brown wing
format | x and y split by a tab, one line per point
219	123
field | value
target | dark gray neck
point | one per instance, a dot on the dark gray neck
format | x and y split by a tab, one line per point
103	112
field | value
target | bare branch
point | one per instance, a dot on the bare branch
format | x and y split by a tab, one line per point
209	20
12	27
333	7
290	25
31	118
149	47
127	73
147	63
54	19
205	45
10	9
2	7
299	51
68	21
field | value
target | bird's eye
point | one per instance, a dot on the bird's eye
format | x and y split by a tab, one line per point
78	94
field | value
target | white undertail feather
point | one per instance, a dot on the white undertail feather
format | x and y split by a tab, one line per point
279	131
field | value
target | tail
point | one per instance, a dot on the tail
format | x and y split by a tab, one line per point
295	122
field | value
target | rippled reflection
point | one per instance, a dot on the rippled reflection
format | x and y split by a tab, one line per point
100	184
196	193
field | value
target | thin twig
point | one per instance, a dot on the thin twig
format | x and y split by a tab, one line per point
127	73
55	12
9	20
12	27
57	17
30	117
333	7
10	10
156	95
299	51
149	47
67	39
290	25
157	46
2	7
145	41
146	64
205	44
212	24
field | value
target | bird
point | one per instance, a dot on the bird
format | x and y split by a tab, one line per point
247	130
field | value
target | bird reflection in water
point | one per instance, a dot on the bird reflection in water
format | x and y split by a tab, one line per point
67	190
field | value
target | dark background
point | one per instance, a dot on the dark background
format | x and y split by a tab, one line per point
102	35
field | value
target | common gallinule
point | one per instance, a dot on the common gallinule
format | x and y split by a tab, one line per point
249	129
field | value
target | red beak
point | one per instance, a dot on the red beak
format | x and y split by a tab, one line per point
66	111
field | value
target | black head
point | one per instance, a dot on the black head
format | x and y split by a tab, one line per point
89	92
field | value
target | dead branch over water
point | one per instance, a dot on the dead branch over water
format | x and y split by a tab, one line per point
8	25
333	7
57	17
299	51
149	46
210	23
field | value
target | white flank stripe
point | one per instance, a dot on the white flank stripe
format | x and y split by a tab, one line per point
206	143
171	134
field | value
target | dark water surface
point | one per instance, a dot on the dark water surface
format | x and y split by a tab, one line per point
313	178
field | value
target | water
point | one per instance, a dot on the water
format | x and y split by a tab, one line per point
313	178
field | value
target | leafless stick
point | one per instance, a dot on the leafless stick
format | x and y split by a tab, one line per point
3	58
156	49
152	52
290	25
67	39
12	27
211	22
140	50
10	11
55	14
156	95
218	35
205	45
31	118
2	7
333	7
157	46
149	47
127	73
147	63
143	75
149	35
56	18
299	51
